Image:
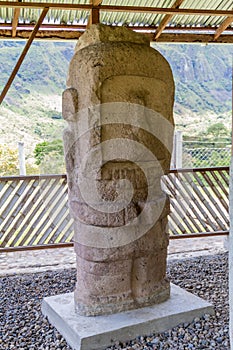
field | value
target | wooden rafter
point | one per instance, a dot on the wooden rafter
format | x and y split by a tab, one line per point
166	19
223	27
96	2
15	21
113	8
23	54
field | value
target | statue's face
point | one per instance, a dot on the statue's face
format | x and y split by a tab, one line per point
152	93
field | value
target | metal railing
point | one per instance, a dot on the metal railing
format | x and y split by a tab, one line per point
201	156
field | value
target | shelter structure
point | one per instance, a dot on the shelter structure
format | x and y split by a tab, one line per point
163	21
171	21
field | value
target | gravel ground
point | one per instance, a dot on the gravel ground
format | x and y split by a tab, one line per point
24	328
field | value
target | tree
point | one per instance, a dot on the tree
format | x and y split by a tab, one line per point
42	149
9	164
217	131
50	157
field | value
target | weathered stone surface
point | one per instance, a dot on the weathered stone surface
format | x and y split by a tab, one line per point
118	142
101	34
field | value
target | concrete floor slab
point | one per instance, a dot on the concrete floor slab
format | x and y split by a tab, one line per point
99	332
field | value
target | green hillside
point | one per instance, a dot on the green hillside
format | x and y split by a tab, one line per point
202	75
31	111
203	79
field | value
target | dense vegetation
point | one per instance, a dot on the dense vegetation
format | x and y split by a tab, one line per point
31	111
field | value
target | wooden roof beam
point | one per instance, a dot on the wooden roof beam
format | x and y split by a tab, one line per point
15	21
193	38
166	37
223	27
70	27
94	17
166	20
23	54
112	8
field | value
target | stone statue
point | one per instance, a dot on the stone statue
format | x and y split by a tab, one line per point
118	106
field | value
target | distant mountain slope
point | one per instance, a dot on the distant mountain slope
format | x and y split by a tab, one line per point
31	111
32	107
43	70
203	75
202	72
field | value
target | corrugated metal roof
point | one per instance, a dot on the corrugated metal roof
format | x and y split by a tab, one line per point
80	17
6	14
202	20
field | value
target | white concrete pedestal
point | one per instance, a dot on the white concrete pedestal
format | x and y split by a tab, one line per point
99	332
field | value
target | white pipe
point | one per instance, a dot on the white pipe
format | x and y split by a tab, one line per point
22	166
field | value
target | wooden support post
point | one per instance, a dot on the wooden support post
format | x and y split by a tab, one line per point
23	54
94	17
15	21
